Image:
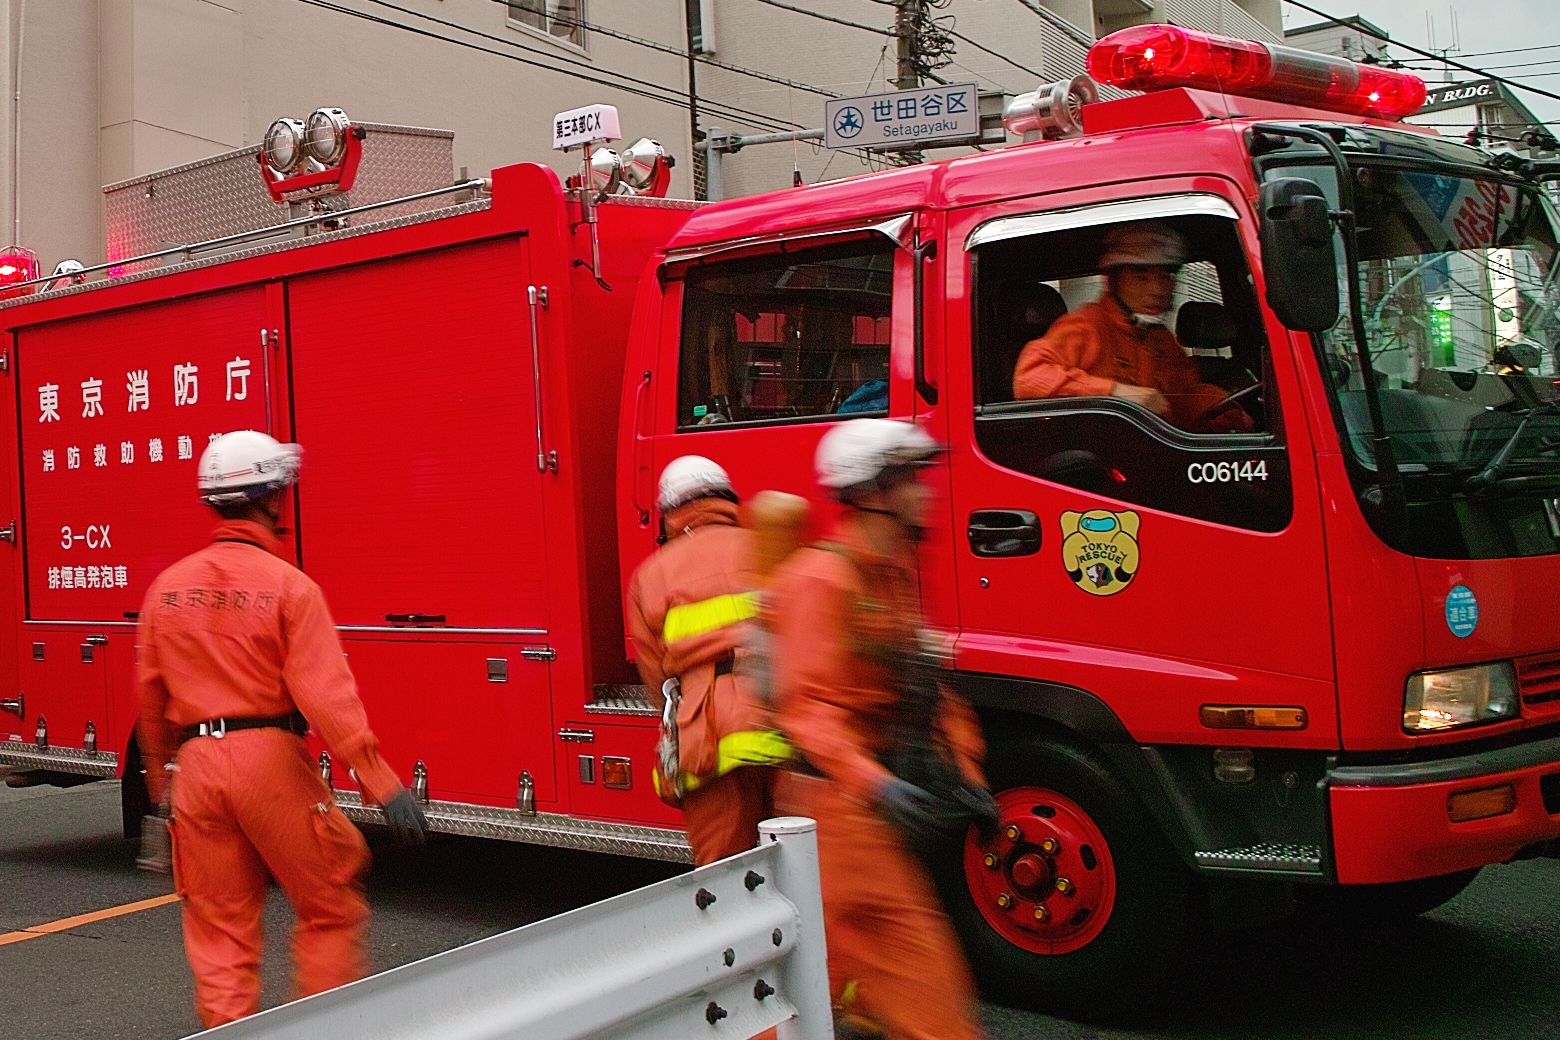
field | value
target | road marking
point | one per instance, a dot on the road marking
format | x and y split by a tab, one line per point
66	924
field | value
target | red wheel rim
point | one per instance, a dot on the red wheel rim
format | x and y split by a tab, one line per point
1046	882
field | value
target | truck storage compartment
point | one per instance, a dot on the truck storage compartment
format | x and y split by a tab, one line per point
115	411
608	769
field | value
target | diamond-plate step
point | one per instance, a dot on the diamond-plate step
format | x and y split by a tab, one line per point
1273	856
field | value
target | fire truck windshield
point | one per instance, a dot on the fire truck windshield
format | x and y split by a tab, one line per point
1458	288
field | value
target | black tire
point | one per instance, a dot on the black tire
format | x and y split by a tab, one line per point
1396	900
1157	912
134	802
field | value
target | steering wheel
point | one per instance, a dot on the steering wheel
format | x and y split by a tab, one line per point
1231	401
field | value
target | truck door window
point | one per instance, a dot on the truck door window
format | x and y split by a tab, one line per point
787	337
1144	382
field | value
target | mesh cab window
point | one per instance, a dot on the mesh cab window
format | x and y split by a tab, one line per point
787	336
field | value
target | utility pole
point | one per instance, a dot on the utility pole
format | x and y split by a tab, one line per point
905	22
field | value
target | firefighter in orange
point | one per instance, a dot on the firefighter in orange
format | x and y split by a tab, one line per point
687	613
238	658
1120	345
888	762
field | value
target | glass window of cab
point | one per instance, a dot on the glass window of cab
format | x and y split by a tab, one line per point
787	337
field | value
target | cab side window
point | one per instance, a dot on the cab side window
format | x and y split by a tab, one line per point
1128	358
787	337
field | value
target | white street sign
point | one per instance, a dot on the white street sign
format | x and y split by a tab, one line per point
585	125
929	115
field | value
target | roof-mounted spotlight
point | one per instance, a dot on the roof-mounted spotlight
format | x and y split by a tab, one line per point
283	150
311	159
646	167
326	135
606	171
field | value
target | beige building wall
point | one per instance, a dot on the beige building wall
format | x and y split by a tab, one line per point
112	89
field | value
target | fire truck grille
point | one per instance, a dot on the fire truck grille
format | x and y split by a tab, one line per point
1538	677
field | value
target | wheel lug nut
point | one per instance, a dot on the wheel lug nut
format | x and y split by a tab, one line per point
1063	885
990	861
1012	832
1042	914
1049	846
1005	901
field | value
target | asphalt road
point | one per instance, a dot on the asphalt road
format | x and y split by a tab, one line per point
1486	965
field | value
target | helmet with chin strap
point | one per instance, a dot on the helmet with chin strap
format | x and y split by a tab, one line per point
245	465
857	456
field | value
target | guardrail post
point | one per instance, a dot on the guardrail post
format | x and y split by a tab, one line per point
807	973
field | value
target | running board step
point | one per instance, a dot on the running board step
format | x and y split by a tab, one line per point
1266	856
101	764
542	828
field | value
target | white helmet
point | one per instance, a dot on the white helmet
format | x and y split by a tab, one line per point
855	454
1149	243
244	465
689	477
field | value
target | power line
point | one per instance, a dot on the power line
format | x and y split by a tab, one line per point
1512	50
1061	24
830	18
1438	58
994	54
631	84
640	41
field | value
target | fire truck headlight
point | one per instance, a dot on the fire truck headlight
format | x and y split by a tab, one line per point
284	145
1460	697
325	139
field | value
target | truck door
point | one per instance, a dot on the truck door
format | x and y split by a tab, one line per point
1161	564
420	508
114	412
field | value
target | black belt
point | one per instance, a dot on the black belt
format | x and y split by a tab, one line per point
726	665
292	722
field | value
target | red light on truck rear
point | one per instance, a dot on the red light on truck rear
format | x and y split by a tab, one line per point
1157	57
18	264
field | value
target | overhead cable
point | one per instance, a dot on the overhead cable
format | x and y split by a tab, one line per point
1438	58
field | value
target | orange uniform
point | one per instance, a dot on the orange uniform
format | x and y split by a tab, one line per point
894	958
1086	353
235	631
688	605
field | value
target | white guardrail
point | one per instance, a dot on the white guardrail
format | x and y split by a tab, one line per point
726	951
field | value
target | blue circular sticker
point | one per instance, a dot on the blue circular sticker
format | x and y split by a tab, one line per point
1462	611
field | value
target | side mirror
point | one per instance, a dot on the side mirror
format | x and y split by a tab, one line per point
1298	258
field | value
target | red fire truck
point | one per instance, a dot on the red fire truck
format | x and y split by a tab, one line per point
1313	649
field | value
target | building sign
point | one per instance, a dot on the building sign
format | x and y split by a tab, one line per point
1459	95
944	114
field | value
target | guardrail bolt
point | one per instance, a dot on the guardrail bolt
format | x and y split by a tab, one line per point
730	956
776	937
753	880
703	898
714	1013
762	989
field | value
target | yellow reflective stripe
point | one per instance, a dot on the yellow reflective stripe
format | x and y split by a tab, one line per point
757	747
692	619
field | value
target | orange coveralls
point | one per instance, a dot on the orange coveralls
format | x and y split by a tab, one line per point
894	958
235	631
687	607
1086	353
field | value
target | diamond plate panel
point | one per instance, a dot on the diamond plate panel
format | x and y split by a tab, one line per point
555	829
620	700
1275	856
103	764
224	195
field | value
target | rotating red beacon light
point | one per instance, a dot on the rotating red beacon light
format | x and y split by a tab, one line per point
18	265
1157	57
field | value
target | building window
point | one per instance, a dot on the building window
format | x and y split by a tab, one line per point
561	19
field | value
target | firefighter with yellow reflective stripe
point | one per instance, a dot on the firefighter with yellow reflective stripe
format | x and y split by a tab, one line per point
690	606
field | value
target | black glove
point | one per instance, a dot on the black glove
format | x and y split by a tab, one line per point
405	819
909	810
981	805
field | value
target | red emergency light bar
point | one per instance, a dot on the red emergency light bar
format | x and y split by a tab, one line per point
18	264
1157	57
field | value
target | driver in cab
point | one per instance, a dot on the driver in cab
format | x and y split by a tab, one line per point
1121	346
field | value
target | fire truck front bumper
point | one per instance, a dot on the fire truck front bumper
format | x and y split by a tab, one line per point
1419	819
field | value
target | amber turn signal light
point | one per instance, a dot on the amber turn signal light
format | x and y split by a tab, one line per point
1229	716
1481	804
